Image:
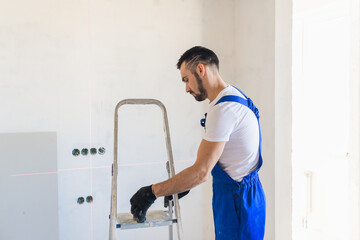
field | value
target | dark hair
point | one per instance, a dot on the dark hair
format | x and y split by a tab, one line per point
196	55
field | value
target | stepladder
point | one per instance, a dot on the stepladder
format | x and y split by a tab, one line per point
154	218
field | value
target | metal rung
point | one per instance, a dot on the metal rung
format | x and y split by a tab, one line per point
154	218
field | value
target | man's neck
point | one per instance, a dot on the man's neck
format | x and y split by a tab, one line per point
215	87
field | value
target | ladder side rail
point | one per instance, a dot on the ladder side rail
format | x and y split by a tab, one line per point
170	206
172	169
113	205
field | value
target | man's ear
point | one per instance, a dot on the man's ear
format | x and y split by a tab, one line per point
201	69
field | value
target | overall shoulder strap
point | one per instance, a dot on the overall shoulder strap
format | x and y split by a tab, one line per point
232	98
246	102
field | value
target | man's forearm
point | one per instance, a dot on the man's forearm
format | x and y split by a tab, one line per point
207	156
183	181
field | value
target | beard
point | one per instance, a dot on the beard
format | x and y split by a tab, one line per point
202	95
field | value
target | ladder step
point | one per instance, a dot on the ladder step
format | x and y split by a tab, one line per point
155	218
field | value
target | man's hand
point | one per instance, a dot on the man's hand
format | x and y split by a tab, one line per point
140	203
167	199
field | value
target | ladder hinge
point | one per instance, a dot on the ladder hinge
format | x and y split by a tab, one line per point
168	166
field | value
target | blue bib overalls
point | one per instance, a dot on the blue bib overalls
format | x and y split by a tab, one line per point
239	207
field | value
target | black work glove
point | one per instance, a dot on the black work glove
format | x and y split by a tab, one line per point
167	199
140	203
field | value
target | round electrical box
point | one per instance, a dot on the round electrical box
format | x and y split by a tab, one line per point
102	151
89	199
84	151
93	151
80	200
75	152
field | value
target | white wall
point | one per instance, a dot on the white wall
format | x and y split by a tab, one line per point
255	54
283	119
65	64
263	70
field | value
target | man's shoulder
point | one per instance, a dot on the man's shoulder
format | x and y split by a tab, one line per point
228	103
231	90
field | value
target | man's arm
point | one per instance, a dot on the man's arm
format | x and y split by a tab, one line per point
207	156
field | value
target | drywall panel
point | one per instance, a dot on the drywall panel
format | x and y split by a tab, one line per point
28	186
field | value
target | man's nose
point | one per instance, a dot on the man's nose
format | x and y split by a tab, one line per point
187	89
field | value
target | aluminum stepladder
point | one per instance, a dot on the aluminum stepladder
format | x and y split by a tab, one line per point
154	218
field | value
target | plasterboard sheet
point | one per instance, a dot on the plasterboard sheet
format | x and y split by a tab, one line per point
28	186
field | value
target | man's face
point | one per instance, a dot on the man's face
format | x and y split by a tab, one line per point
193	83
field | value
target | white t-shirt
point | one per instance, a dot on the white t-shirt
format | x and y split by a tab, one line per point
235	124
